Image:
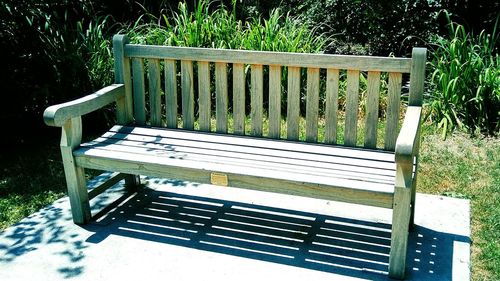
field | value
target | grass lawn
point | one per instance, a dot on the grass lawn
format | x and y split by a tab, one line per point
466	167
31	177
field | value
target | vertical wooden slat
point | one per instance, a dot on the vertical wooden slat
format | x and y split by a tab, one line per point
221	97
127	81
187	94
239	98
274	101
417	76
393	104
124	110
332	94
372	101
293	106
312	104
204	95
138	85
124	106
171	93
154	91
256	100
351	118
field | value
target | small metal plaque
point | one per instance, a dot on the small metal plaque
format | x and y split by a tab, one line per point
218	179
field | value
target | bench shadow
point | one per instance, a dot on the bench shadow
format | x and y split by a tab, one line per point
338	245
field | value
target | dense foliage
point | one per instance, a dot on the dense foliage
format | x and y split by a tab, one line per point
465	81
381	27
47	57
60	49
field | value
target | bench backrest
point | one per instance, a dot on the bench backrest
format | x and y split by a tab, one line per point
179	87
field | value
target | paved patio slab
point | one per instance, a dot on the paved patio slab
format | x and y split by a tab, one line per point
173	230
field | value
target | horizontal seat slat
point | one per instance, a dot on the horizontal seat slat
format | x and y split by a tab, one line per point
363	63
238	160
367	171
228	146
372	194
248	141
361	165
146	159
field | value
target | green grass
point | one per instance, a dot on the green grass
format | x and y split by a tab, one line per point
460	166
466	167
30	178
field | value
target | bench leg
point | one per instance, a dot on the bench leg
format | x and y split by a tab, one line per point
413	195
77	188
75	176
132	182
399	235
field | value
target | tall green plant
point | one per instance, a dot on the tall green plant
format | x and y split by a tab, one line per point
281	33
95	46
221	29
465	81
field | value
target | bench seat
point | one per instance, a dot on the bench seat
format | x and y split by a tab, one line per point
321	171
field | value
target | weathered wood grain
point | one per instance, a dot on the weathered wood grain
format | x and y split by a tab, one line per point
187	85
274	101
372	102
364	63
399	232
171	93
125	112
351	111
408	136
365	168
247	141
154	92
293	103
75	174
297	161
221	97
257	80
204	96
417	76
139	91
57	115
239	98
253	178
312	104
331	96
393	105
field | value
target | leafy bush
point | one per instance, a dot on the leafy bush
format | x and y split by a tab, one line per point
43	55
54	51
465	81
378	27
96	49
368	27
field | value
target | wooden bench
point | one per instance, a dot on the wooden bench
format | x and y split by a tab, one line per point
154	138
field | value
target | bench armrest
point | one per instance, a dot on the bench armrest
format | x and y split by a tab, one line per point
406	144
57	115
